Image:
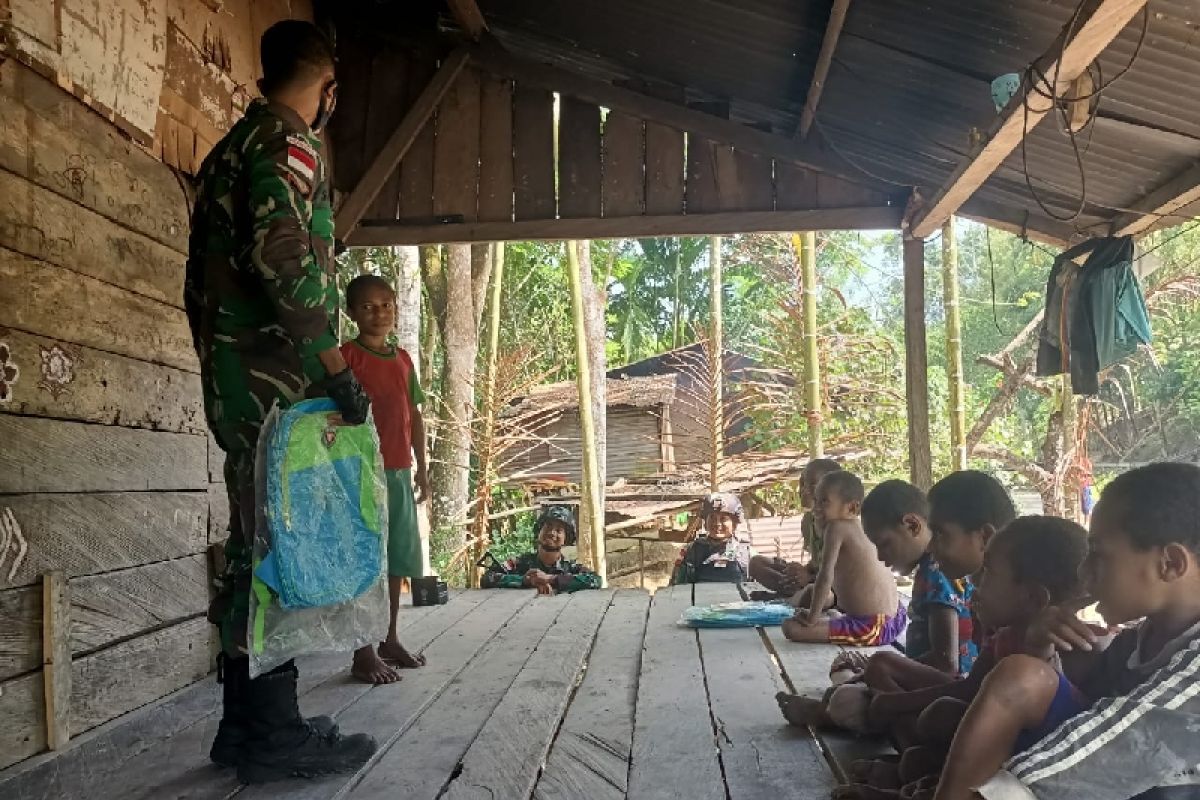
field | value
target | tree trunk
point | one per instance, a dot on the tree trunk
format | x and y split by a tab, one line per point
589	319
450	470
408	302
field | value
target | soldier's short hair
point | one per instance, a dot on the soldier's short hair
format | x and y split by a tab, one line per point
359	286
293	50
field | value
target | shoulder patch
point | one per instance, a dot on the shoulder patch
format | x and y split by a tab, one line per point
302	163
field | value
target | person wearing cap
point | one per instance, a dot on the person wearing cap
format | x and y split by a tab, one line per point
545	569
717	555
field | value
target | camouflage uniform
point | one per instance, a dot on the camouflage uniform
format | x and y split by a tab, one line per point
261	301
571	576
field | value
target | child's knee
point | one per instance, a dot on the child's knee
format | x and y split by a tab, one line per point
879	668
791	630
938	722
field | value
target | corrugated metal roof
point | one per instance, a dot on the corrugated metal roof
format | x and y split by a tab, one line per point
648	392
909	83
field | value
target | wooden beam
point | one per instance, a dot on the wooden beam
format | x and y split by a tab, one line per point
833	30
1095	26
376	175
916	365
728	132
469	17
1036	228
56	657
1177	193
382	234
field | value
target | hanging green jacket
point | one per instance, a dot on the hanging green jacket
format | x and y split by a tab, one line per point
1095	314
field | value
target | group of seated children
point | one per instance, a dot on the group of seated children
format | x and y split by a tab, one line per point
1052	707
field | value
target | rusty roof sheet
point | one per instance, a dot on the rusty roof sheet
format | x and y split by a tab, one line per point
909	82
648	392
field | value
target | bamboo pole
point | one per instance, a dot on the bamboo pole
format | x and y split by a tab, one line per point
954	362
916	365
488	451
591	496
806	247
718	347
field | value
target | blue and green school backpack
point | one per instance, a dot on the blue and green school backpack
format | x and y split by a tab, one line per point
325	508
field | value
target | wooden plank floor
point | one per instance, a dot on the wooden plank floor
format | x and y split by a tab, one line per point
599	695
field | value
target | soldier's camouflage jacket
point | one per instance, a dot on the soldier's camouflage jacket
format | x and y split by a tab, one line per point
570	575
260	293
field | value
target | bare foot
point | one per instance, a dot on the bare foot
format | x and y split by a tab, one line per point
882	773
803	712
923	789
397	654
368	667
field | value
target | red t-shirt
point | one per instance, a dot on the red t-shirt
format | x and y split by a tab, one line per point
390	382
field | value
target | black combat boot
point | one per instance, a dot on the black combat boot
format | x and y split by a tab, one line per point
283	744
232	733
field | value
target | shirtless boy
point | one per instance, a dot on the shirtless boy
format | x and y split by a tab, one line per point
850	571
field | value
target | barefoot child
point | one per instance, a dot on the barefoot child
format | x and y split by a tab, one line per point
968	504
545	569
386	373
1031	564
1139	732
717	555
851	572
789	577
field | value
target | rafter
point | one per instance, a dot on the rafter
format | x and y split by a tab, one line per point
1094	27
469	17
833	30
1177	193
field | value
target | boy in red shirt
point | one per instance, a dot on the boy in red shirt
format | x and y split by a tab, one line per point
386	373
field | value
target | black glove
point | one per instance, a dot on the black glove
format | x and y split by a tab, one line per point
351	400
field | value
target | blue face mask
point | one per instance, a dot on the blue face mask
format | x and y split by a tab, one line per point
325	109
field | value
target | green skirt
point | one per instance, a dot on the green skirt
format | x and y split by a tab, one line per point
404	536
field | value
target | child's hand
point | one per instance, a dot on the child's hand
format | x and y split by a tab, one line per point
421	482
1059	627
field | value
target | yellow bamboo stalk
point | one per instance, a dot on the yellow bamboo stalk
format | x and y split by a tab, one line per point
954	363
806	247
488	449
591	498
717	416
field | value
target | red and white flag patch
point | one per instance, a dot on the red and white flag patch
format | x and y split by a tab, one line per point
302	161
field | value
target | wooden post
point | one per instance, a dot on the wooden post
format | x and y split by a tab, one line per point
641	564
916	365
718	347
807	248
56	657
488	456
954	362
591	494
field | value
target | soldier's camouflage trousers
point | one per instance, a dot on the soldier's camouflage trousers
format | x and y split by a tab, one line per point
230	609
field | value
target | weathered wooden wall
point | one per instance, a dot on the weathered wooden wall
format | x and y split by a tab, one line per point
634	447
107	474
497	152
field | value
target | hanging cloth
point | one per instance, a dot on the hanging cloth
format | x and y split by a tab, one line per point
1095	315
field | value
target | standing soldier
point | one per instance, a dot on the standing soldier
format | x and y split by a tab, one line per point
262	301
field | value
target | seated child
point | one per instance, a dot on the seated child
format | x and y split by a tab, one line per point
716	555
851	572
965	509
968	504
788	577
1031	564
545	569
1139	733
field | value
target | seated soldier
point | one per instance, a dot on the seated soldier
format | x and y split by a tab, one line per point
788	577
865	590
545	569
716	555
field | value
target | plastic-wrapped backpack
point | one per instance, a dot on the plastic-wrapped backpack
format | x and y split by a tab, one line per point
319	548
738	614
